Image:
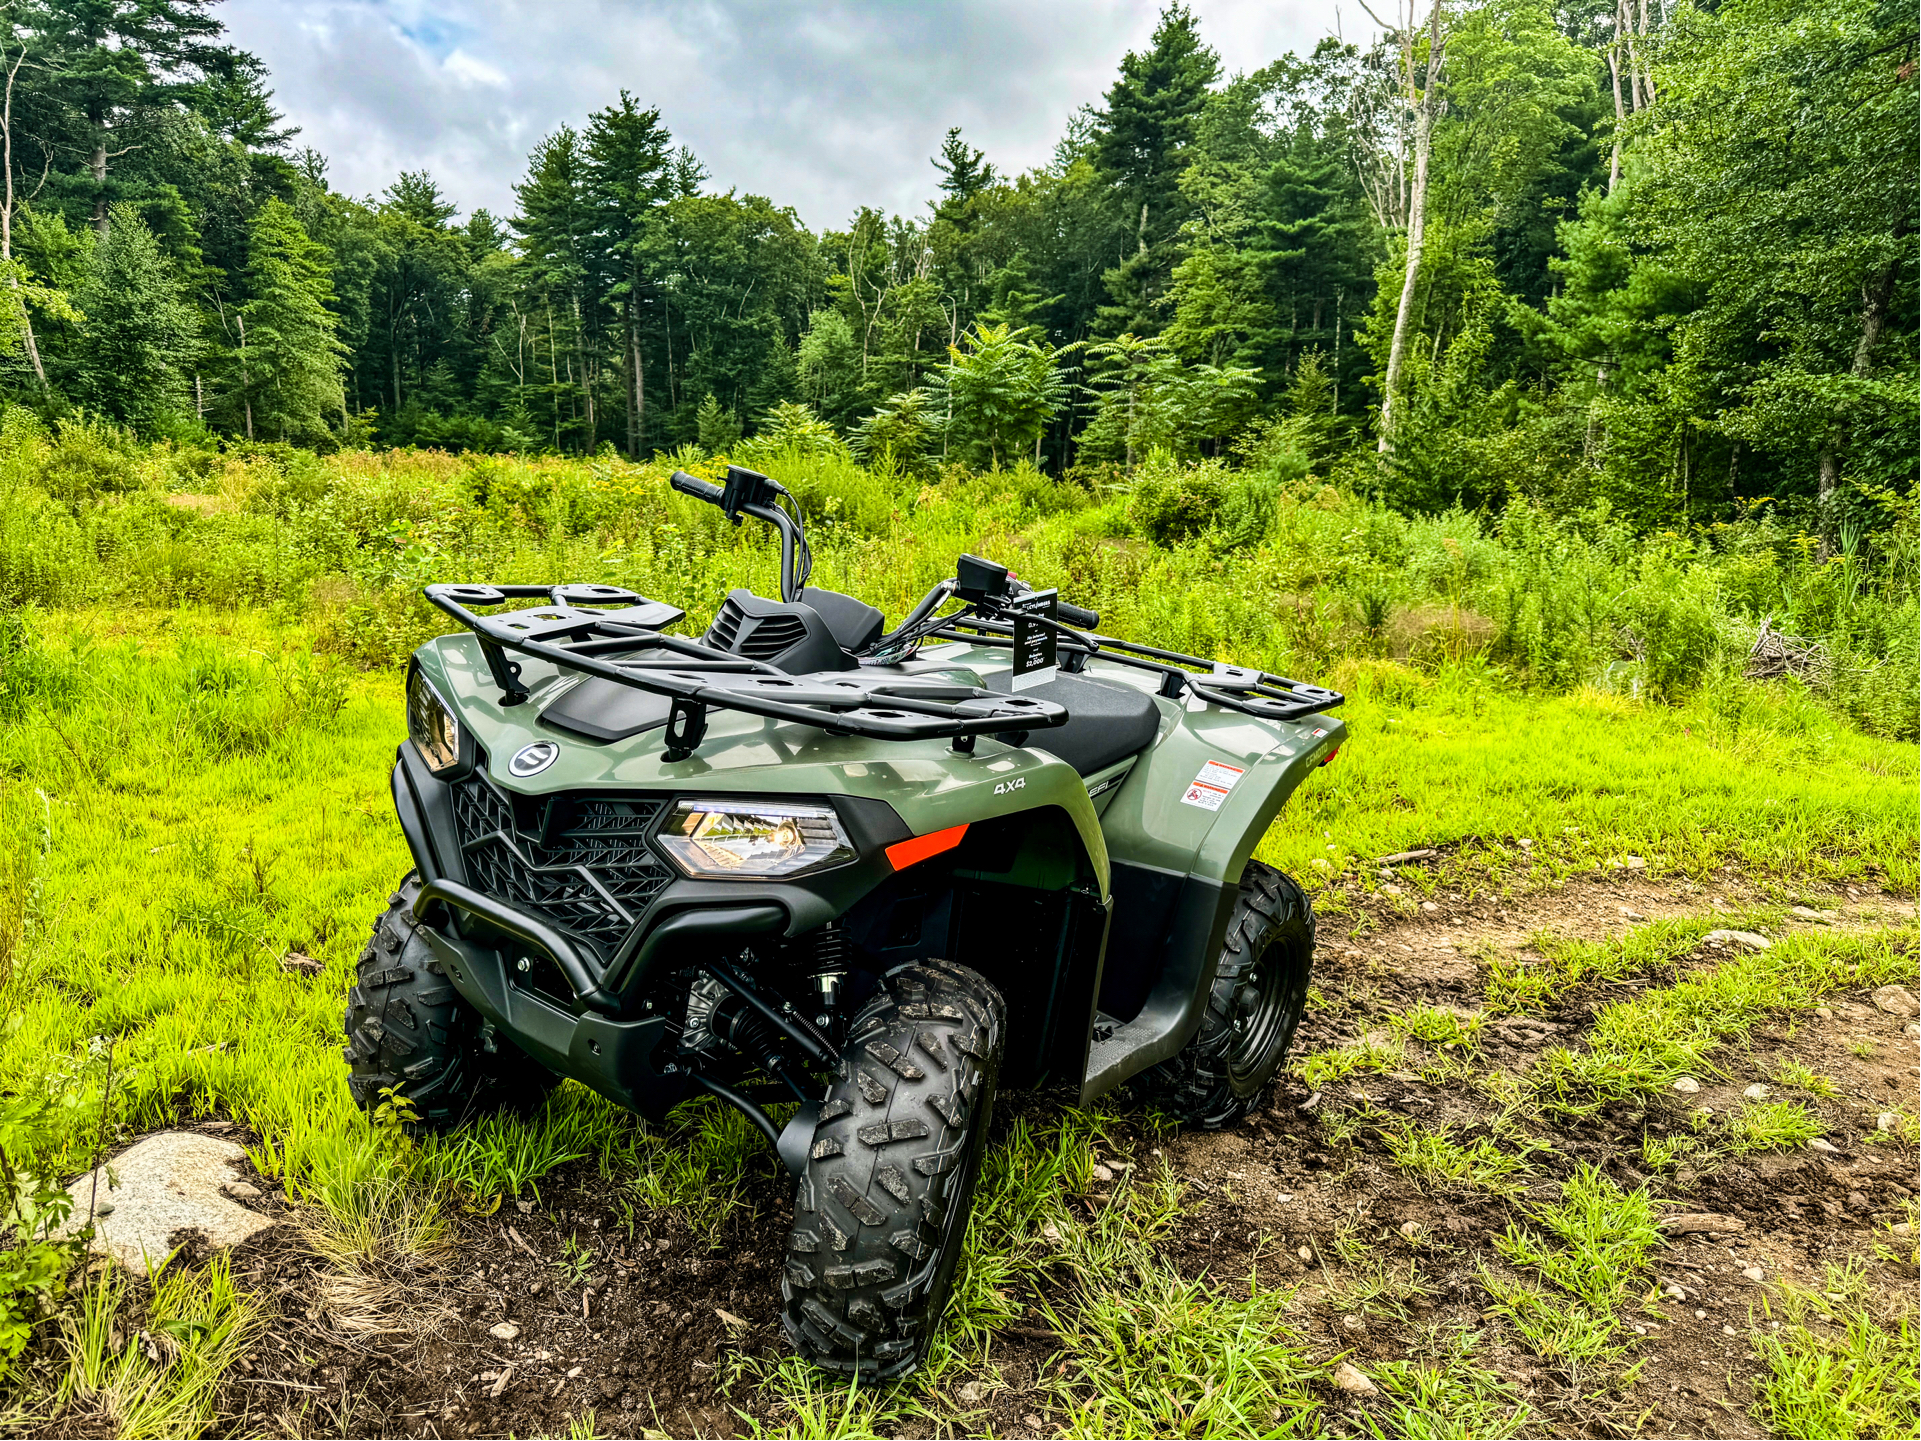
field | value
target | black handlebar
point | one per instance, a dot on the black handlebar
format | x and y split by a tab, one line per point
1073	615
693	485
750	493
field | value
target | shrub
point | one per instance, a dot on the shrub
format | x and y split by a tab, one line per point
1170	503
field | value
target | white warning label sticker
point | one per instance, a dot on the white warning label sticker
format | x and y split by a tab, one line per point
1220	775
1207	797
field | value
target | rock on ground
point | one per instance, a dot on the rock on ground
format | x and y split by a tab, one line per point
157	1189
1895	1000
1346	1378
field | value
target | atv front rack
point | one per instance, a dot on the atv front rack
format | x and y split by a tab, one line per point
1232	687
585	627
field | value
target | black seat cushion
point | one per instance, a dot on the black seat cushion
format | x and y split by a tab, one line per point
1105	722
854	623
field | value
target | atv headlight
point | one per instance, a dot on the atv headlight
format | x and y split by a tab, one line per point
728	839
431	725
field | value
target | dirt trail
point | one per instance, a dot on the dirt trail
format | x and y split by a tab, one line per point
645	1334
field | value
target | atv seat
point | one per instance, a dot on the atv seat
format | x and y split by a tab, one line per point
1106	723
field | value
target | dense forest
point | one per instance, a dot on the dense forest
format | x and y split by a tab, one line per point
1651	255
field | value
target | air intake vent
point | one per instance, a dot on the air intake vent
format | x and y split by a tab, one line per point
771	636
720	635
756	637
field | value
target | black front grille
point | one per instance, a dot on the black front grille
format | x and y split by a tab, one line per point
756	637
592	877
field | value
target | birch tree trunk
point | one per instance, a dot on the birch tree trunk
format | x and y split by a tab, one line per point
1424	107
1620	113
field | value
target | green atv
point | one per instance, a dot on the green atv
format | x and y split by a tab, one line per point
877	873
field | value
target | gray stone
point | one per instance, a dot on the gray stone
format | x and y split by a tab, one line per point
1346	1378
1757	1092
1895	1000
1687	1085
160	1188
1748	940
505	1331
971	1393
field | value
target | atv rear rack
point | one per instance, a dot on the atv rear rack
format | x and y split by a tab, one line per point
578	625
1232	687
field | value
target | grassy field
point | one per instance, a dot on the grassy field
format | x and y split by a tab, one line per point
1460	1192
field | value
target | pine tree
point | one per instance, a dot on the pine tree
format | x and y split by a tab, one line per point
631	172
964	174
120	72
142	335
1141	147
289	358
719	427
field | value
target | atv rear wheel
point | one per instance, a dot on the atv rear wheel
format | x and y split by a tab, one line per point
409	1030
884	1201
1259	993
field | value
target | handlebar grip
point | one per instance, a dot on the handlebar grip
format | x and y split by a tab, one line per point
693	485
1074	616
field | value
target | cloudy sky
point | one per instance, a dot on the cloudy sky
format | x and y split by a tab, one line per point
822	105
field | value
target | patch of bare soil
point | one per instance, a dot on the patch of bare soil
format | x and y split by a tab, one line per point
545	1311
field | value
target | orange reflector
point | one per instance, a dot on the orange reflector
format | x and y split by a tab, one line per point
908	853
1328	759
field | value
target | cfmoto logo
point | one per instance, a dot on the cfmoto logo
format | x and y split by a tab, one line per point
533	759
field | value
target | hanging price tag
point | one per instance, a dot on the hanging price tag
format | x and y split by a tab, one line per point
1034	658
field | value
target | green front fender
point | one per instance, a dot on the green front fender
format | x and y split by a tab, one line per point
930	786
1164	816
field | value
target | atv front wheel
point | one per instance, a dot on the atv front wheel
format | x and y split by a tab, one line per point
1259	993
889	1184
408	1030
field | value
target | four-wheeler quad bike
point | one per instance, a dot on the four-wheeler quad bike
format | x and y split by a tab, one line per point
806	858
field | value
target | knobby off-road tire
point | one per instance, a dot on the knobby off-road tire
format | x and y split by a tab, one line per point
1259	992
883	1204
408	1029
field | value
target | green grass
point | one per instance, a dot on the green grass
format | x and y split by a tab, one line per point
1517	985
1835	1368
195	741
1443	1163
1586	1254
1452	762
1802	1077
199	1323
1771	1126
1443	1393
1640	1047
1324	1068
1441	1029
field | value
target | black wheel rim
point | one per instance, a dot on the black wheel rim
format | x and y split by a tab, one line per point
1262	1030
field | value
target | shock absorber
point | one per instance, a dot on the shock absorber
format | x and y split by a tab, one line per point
828	973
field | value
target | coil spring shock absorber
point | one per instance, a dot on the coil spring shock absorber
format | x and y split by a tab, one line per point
828	973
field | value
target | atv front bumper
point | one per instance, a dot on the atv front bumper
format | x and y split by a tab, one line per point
615	1057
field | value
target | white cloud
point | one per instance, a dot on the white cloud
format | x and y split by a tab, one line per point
463	66
823	106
